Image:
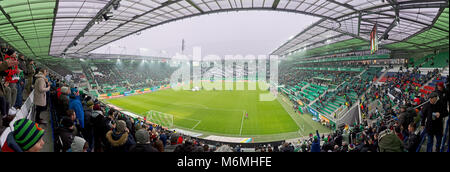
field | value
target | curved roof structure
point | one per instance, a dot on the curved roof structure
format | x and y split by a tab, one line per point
39	28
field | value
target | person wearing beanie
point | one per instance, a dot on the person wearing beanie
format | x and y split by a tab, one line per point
433	114
78	145
88	132
63	101
26	137
119	139
315	147
64	135
142	142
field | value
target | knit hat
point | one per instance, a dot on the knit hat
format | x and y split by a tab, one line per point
27	133
10	52
120	126
77	144
73	90
440	84
433	94
142	136
64	89
89	103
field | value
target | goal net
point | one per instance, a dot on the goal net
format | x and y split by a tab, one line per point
160	118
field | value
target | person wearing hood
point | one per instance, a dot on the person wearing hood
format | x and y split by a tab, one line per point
79	145
119	139
75	104
26	137
142	142
64	135
41	86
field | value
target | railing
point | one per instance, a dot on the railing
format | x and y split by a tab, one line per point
26	111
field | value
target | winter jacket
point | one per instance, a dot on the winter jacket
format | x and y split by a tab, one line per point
3	68
63	104
64	138
119	142
30	71
40	89
75	104
11	72
10	144
315	147
412	142
389	142
433	126
142	148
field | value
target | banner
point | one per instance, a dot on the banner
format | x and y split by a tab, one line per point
313	112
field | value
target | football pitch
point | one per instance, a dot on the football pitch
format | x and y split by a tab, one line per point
221	112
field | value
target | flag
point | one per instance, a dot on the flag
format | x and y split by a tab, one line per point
373	40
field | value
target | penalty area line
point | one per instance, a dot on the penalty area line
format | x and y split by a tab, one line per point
242	122
199	121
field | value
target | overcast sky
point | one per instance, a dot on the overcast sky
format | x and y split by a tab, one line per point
231	33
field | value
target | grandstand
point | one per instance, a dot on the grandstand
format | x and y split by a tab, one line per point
347	76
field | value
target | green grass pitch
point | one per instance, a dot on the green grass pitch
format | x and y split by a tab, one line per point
215	111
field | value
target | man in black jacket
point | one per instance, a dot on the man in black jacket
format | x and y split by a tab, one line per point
64	135
432	119
413	140
142	142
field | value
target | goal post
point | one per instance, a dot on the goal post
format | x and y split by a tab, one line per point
160	118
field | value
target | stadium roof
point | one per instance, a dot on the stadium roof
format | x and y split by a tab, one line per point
39	28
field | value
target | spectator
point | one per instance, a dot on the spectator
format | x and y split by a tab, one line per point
75	104
63	103
432	120
160	146
389	142
11	78
315	147
79	145
100	128
88	132
163	138
142	142
413	140
40	97
64	135
29	75
119	139
187	146
173	143
21	82
22	139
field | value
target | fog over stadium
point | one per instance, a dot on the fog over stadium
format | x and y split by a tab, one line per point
227	33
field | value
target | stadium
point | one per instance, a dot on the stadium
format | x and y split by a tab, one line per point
356	76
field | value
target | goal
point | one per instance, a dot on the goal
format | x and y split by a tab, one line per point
160	118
